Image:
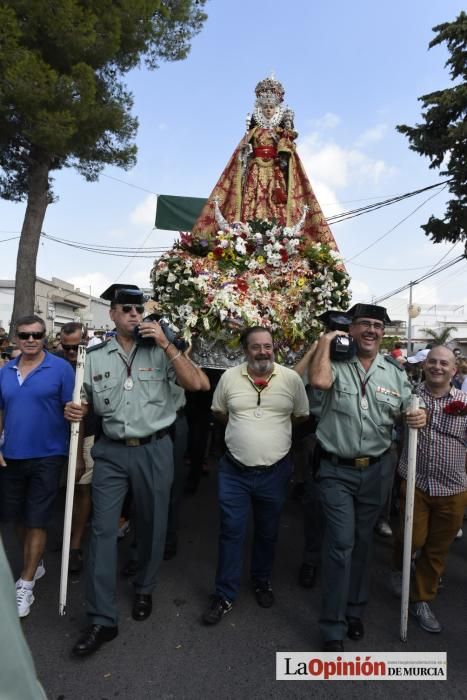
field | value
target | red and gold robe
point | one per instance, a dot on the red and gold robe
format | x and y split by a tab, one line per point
263	191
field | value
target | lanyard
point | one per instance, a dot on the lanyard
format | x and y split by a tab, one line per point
363	383
128	383
259	389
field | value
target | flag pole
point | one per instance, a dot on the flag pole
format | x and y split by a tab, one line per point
408	522
70	485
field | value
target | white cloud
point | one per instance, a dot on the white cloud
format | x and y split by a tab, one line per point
93	283
360	291
339	167
327	121
145	213
376	133
327	198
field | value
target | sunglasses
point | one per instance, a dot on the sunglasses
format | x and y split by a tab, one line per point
126	308
73	348
23	335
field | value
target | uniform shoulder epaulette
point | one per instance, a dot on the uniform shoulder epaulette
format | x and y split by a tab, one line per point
97	347
394	362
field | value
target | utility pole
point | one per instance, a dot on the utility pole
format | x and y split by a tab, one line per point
409	325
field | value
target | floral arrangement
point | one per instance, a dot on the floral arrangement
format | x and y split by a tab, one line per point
456	408
254	273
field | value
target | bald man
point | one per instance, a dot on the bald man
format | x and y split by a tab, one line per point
441	484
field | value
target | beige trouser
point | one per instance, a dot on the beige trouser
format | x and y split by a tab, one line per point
436	522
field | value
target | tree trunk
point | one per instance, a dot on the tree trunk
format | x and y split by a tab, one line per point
38	199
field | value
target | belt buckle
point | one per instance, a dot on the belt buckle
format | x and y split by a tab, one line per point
132	442
362	462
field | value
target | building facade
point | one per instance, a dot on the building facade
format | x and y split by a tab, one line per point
58	302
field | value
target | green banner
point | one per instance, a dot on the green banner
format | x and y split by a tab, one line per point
177	213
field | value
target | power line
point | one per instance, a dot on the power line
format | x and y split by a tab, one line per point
380	238
397	269
420	279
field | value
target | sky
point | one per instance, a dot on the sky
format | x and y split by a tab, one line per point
351	72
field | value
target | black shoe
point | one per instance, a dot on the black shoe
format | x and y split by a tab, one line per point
307	575
264	594
92	638
334	645
170	551
355	628
75	563
130	568
218	607
142	606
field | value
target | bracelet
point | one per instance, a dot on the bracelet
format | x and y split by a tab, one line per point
166	347
171	359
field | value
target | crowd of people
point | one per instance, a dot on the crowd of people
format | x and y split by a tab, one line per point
336	422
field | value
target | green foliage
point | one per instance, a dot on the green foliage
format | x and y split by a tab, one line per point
443	136
62	99
442	337
388	342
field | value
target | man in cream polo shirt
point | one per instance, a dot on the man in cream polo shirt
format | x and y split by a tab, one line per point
258	401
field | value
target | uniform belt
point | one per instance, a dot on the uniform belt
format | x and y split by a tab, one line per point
355	462
136	442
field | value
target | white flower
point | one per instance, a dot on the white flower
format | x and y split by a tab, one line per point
240	246
171	278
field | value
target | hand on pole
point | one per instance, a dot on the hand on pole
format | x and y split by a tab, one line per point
75	412
416	418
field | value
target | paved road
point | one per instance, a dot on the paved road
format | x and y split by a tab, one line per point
173	656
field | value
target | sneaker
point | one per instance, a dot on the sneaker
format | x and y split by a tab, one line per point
459	534
383	528
264	594
396	583
425	617
24	600
75	563
218	607
40	571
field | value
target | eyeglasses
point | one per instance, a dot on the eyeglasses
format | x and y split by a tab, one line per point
371	324
23	335
73	348
126	308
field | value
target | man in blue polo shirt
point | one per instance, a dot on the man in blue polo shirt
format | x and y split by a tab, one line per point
34	388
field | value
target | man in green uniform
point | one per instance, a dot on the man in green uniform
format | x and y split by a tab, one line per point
127	380
363	398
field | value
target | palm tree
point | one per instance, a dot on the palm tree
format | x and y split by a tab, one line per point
441	337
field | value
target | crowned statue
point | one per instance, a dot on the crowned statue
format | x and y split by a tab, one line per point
260	253
265	178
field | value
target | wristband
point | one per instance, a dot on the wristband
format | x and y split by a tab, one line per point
172	359
166	347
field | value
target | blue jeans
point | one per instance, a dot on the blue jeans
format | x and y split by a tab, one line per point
265	491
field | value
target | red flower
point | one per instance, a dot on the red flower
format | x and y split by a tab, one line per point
242	285
456	408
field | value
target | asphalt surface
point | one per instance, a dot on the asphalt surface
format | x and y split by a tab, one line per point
173	656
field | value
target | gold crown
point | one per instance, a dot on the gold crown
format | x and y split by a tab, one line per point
269	91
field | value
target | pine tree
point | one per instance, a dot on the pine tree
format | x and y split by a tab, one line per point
443	136
62	99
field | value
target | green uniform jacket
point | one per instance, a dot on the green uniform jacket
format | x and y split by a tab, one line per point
138	412
346	428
